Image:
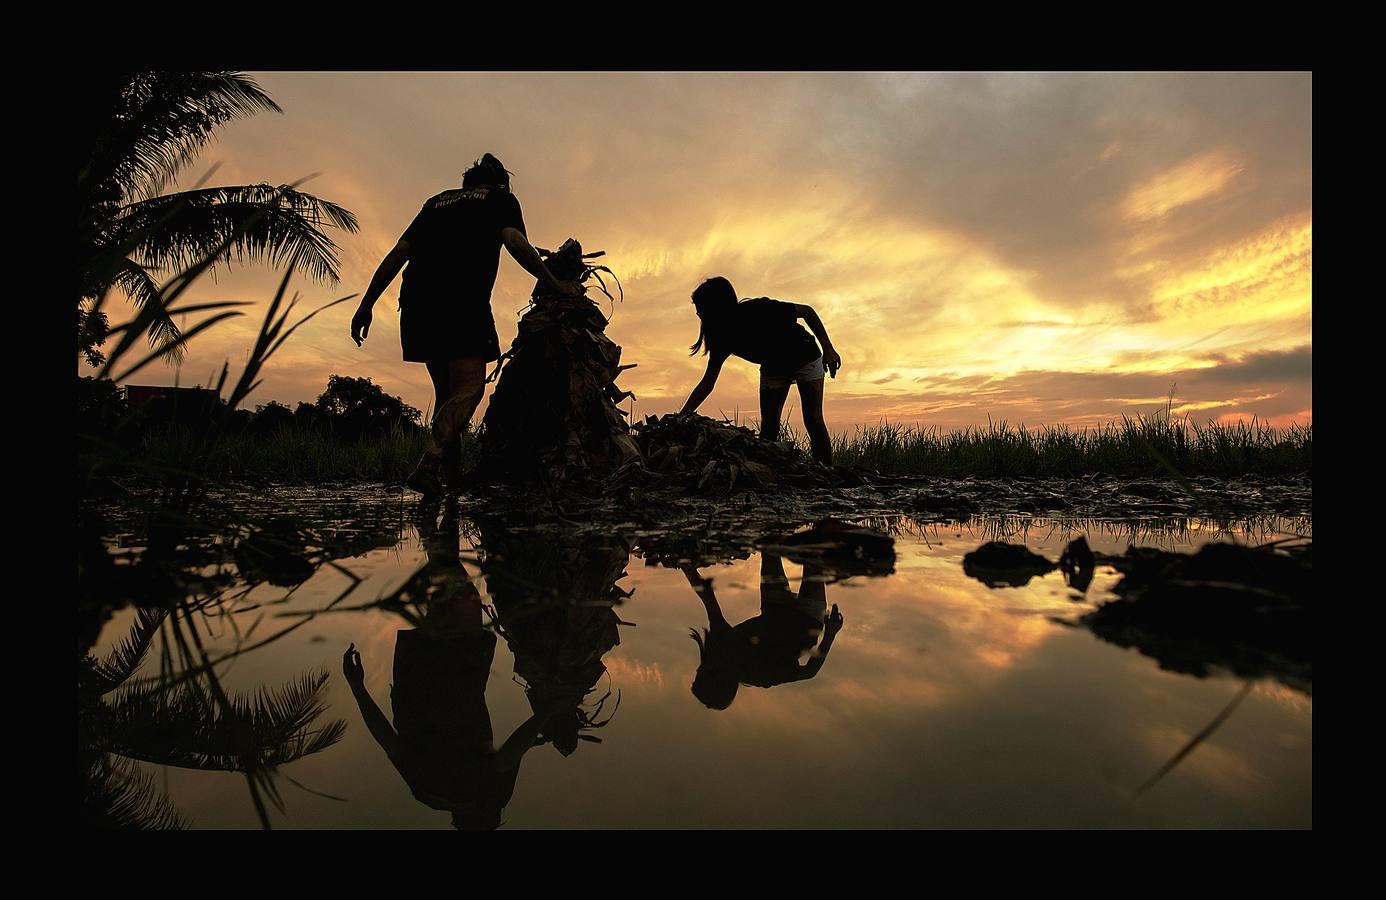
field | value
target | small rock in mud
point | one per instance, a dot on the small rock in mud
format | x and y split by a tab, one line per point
999	564
1078	564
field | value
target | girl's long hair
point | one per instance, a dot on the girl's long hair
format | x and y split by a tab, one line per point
714	300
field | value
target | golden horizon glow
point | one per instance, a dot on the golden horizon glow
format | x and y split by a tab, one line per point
1054	249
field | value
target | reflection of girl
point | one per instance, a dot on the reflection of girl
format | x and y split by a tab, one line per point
766	331
763	651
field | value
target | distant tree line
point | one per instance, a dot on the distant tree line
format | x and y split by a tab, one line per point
350	408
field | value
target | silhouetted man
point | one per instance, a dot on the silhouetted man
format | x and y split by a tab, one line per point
453	251
441	738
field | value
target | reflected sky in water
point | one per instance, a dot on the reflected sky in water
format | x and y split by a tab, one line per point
942	703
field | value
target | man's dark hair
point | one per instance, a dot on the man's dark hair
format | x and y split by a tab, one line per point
487	170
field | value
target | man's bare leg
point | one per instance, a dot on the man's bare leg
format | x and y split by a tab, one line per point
458	386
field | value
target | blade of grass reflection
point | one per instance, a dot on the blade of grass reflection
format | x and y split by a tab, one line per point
208	665
303	787
1195	741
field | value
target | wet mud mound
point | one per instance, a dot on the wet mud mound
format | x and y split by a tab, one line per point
837	548
1245	610
999	564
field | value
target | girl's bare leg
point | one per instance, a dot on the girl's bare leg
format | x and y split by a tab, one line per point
771	406
811	396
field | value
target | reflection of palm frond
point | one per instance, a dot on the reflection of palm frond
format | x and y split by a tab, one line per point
115	795
183	727
104	676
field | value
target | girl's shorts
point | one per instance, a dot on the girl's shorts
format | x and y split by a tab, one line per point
811	372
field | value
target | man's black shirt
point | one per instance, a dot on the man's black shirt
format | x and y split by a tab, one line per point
454	252
454	245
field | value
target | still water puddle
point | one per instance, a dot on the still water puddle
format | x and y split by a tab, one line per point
550	680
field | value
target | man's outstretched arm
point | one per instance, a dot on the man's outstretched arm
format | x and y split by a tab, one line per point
384	274
375	720
524	253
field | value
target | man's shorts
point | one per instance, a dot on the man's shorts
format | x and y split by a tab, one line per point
434	332
811	372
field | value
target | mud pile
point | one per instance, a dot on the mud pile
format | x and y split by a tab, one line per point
1247	610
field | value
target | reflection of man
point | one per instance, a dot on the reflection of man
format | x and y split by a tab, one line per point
453	251
441	741
763	651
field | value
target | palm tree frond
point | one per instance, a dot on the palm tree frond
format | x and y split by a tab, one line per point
151	124
277	224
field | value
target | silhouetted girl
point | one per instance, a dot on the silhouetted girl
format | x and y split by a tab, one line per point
767	332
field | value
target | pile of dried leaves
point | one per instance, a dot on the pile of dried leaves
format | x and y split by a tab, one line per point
700	454
554	408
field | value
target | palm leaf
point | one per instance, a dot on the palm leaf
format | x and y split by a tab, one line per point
150	124
263	222
115	795
183	727
104	676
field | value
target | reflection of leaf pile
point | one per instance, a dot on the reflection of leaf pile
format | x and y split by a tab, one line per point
836	548
554	599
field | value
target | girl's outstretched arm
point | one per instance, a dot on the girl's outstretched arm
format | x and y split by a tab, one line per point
832	624
831	360
705	386
703	587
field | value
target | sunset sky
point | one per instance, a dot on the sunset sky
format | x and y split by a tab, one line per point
1035	248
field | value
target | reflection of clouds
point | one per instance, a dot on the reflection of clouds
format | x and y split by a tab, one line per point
933	624
1284	696
628	672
